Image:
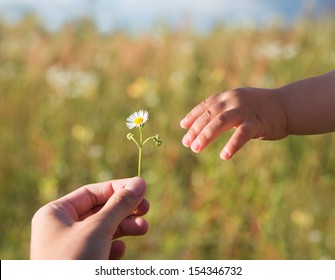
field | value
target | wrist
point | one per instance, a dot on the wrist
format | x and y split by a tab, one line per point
280	98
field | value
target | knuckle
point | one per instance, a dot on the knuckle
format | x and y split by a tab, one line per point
245	132
237	94
221	119
125	198
45	213
205	102
39	214
208	114
209	100
213	111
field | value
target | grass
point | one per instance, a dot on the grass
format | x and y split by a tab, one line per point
64	99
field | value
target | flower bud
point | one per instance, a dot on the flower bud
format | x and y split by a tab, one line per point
130	136
157	140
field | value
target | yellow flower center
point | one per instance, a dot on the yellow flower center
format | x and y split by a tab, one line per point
138	120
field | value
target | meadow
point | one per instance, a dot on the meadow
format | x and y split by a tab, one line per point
64	99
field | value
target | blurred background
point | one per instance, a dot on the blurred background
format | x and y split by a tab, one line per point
71	72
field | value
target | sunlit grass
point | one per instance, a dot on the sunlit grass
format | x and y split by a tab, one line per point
63	101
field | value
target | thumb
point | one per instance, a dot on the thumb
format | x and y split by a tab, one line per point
122	203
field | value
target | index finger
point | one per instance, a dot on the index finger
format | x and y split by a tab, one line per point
198	110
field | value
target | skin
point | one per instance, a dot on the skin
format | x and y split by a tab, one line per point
301	108
85	223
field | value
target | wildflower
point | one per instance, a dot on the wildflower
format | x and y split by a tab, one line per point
138	119
71	83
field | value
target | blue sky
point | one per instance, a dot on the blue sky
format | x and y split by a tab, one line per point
143	14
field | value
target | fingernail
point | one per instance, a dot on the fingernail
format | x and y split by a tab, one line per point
195	146
186	141
225	154
136	188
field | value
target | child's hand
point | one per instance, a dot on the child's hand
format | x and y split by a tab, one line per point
255	113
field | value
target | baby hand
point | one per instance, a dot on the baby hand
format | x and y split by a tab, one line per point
254	113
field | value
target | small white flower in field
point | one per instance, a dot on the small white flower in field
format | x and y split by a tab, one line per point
72	83
137	119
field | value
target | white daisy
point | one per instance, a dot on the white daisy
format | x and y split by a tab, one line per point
137	119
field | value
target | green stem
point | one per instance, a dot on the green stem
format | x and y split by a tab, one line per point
140	152
146	140
136	143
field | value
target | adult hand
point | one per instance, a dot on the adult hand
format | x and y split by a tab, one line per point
85	223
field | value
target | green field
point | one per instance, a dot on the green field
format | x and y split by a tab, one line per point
64	99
